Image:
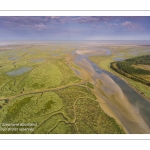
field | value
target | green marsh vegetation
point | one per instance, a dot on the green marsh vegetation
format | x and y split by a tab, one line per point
49	95
136	68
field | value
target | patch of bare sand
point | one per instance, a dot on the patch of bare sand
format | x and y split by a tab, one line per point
125	113
112	100
105	107
86	70
88	52
86	74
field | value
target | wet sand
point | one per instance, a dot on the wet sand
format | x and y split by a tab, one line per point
90	52
112	100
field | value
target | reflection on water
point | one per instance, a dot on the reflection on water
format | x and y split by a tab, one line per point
14	58
118	59
19	71
134	53
108	52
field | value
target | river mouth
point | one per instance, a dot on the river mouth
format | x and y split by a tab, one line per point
129	107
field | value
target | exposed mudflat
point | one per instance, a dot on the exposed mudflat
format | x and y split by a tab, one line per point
111	98
90	52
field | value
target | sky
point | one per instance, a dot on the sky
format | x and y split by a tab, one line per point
74	28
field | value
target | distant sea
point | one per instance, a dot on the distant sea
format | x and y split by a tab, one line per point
118	42
110	42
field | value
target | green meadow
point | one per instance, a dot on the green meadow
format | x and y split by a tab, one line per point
38	85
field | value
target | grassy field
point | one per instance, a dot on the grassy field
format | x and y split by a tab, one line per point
124	52
136	69
70	110
40	93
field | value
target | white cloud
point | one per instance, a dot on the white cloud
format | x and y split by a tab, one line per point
126	23
132	26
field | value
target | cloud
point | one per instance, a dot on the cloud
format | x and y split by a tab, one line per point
92	19
132	26
43	27
54	20
25	20
72	25
27	23
126	24
48	22
97	26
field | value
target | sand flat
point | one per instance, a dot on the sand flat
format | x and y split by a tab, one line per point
113	101
88	52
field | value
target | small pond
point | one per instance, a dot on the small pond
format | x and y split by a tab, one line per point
19	71
118	59
14	58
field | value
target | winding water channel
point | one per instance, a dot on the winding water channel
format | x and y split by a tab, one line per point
139	105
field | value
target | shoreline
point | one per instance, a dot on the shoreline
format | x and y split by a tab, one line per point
87	77
110	110
124	79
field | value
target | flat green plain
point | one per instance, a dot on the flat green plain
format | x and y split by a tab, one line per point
49	95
